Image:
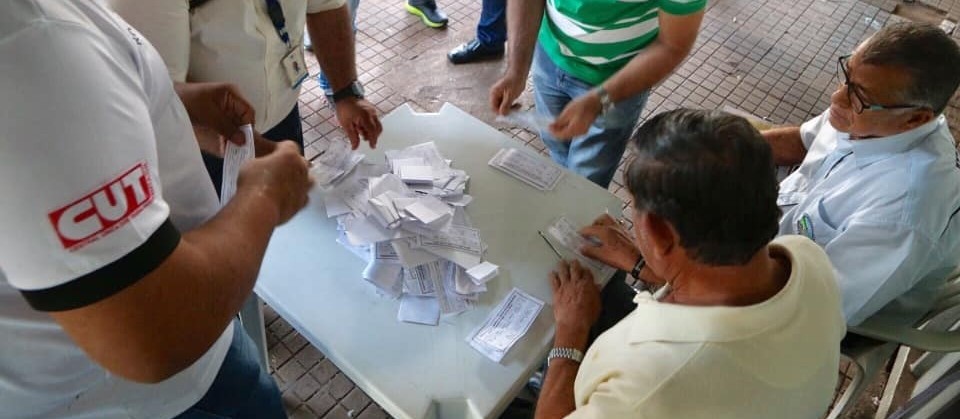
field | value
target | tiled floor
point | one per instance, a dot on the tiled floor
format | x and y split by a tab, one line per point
774	58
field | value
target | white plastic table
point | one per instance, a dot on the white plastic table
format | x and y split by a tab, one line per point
416	371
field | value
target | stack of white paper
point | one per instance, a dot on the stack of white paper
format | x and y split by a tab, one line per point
568	240
407	220
334	162
532	170
483	272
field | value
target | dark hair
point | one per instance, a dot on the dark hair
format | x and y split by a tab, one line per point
711	175
926	53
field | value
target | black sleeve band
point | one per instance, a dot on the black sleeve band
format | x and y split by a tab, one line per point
111	278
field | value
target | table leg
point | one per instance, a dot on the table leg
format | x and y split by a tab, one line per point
251	317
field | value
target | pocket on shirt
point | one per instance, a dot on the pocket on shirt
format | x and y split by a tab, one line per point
816	224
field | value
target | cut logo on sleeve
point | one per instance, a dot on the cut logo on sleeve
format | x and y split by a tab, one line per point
104	209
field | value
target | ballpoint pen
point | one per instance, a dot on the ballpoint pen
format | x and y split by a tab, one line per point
550	244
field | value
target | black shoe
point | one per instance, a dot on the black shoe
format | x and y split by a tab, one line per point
474	51
428	12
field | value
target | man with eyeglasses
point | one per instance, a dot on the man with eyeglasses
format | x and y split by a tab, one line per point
878	183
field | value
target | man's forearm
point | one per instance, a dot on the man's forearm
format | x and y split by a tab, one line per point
170	317
523	25
658	60
331	33
556	398
786	144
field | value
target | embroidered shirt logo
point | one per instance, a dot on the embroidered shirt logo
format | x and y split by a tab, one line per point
805	226
103	210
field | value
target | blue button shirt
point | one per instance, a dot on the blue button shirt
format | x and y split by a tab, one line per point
884	209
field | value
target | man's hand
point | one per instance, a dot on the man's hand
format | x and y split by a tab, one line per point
577	116
359	118
282	177
506	91
217	106
613	246
576	298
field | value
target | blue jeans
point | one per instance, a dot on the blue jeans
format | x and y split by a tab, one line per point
242	389
492	28
352	5
594	155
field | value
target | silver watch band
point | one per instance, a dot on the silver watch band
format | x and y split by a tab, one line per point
606	105
572	354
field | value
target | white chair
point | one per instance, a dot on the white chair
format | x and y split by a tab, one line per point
877	338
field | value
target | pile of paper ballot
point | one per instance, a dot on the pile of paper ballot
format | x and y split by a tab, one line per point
406	219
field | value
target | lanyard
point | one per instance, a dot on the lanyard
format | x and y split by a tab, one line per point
276	16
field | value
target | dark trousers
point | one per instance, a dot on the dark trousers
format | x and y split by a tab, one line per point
492	28
242	389
289	128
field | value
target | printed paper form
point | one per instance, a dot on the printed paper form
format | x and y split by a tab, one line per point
569	239
233	158
505	325
532	170
465	239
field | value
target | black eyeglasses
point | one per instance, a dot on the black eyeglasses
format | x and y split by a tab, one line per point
853	91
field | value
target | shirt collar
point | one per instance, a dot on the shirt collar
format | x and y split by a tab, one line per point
871	150
656	321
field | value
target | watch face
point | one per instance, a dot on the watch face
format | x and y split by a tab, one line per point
357	89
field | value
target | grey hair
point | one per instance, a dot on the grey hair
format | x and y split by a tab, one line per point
926	53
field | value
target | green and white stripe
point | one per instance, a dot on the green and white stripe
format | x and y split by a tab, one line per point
592	39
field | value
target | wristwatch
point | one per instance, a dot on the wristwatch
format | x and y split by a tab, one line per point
354	90
569	353
637	267
634	282
606	104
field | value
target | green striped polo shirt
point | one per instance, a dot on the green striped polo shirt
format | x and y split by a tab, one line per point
592	39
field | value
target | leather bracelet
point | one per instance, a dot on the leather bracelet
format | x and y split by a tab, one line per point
635	272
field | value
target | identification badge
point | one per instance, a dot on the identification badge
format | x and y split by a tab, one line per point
805	226
295	66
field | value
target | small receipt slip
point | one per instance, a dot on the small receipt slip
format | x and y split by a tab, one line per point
233	157
505	325
530	169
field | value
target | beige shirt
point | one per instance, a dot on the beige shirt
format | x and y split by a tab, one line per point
227	40
777	359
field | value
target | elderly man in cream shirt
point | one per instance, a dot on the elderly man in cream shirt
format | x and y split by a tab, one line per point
741	327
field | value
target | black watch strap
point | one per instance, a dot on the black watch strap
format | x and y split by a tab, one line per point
635	272
354	90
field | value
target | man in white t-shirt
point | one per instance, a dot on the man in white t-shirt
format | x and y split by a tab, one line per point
119	278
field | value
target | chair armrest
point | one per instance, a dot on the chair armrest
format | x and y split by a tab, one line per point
888	329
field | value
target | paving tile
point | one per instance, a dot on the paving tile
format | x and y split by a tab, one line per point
309	356
356	400
339	386
337	412
324	371
305	387
302	412
373	412
321	403
290	372
279	355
